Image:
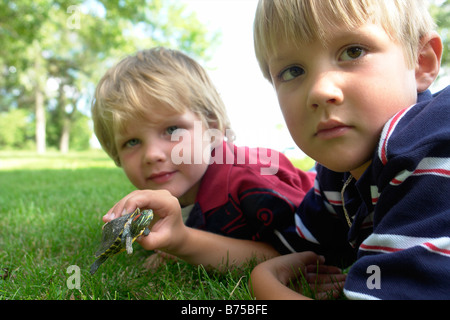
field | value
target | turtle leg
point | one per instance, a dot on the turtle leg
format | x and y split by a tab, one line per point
146	232
126	235
129	244
97	263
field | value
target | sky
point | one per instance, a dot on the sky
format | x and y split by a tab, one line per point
249	98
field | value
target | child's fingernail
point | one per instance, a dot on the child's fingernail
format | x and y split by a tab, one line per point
109	216
124	212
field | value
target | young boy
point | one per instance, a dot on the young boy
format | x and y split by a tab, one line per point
159	117
352	80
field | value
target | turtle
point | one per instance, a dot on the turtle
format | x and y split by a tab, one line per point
119	234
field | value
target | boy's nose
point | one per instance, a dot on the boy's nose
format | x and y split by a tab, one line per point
154	153
325	91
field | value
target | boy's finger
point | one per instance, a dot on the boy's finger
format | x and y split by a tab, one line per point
323	269
111	214
118	209
160	201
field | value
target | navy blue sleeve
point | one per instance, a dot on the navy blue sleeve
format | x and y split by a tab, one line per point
408	254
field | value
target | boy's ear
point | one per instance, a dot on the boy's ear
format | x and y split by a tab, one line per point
429	61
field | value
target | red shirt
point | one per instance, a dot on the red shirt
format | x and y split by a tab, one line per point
236	200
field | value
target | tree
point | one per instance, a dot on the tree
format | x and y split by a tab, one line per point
71	45
21	50
441	13
15	129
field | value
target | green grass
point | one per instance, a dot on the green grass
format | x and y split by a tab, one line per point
50	218
304	163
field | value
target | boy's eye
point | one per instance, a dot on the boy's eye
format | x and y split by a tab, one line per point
132	142
291	73
352	53
170	130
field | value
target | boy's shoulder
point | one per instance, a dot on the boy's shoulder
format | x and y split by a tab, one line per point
418	131
271	168
240	173
261	164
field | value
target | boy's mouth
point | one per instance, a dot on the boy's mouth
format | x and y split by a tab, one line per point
331	129
161	177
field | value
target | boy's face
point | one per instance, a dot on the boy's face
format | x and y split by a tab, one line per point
159	153
337	98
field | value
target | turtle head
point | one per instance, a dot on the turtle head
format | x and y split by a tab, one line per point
140	220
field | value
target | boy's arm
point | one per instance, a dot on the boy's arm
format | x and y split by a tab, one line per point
407	259
169	234
270	279
217	251
408	254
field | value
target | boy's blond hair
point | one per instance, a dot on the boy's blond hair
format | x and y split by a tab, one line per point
167	77
302	21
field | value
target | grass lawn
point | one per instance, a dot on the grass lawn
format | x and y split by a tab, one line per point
50	219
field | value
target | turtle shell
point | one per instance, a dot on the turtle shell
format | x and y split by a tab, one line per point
119	234
112	233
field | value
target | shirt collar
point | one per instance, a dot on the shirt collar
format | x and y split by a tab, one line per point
213	191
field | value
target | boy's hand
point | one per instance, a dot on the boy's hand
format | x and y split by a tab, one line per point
168	233
270	279
324	281
167	228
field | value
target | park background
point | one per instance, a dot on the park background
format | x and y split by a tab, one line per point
53	54
55	184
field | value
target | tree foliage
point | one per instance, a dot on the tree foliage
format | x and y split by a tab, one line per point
441	13
16	129
53	53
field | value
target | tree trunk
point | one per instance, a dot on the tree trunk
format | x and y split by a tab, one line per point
65	136
40	120
39	100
